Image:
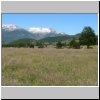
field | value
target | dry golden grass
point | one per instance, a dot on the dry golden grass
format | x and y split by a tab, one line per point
49	67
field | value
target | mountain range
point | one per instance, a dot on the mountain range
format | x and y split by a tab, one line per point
12	33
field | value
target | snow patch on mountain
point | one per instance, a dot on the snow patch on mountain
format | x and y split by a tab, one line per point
10	27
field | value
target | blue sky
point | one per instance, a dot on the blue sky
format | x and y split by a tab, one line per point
68	23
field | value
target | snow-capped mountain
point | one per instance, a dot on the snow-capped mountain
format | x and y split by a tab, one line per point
10	27
13	32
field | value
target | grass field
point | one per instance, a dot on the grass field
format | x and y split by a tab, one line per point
49	67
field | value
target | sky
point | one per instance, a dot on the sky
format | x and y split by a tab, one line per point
69	23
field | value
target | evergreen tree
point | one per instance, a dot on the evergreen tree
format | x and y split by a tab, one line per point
87	37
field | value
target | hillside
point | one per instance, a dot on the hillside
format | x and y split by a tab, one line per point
11	33
57	38
9	36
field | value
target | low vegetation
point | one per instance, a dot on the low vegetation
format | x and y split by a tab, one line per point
49	67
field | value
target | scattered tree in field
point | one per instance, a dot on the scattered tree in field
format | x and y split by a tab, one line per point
59	44
74	44
31	45
64	44
71	43
87	37
40	45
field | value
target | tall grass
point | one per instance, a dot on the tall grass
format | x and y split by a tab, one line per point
49	67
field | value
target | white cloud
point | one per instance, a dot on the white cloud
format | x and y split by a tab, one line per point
41	30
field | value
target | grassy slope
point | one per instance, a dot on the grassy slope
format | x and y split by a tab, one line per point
49	67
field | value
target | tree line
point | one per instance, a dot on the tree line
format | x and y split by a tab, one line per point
25	45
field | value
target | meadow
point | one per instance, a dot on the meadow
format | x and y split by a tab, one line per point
49	67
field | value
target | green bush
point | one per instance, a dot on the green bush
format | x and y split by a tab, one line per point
41	45
31	46
59	45
74	44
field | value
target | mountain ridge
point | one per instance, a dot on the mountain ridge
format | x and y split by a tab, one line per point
12	32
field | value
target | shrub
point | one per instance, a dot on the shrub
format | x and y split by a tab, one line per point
59	45
31	46
74	44
41	45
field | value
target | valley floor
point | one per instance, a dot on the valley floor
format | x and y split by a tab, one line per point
49	67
